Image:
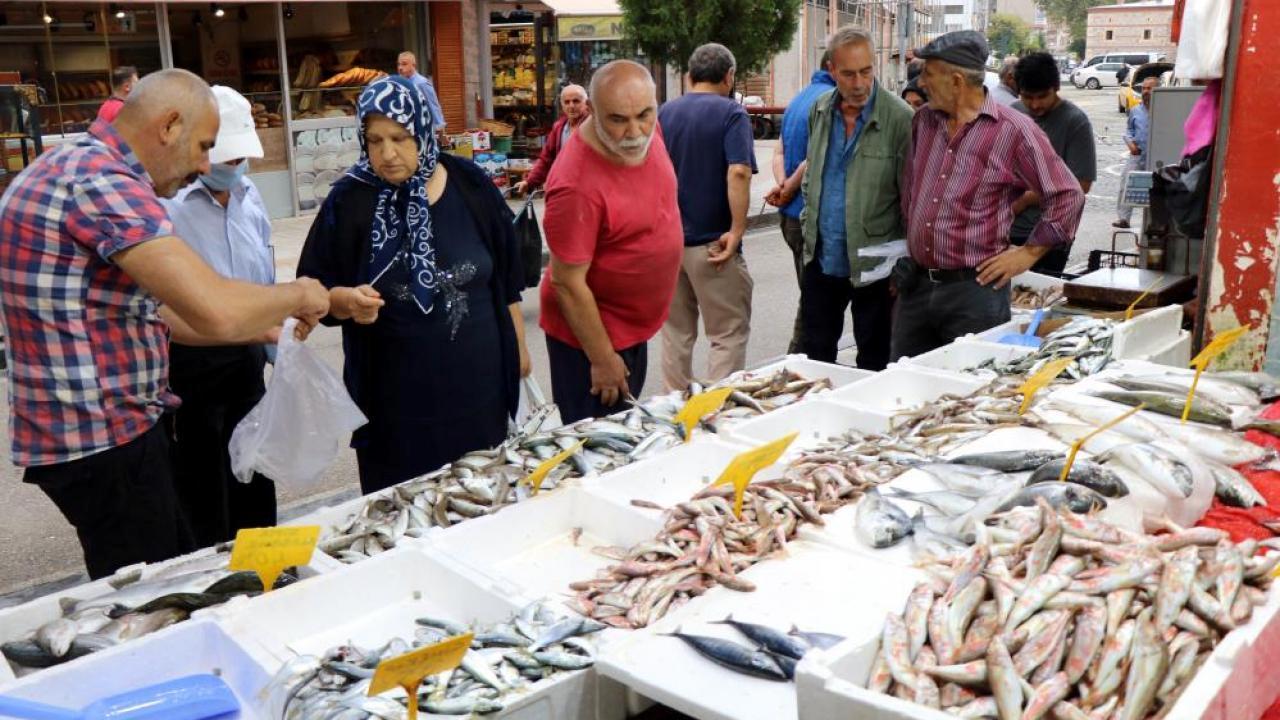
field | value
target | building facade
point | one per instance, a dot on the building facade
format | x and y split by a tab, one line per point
1139	27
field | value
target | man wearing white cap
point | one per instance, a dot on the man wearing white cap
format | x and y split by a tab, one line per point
222	217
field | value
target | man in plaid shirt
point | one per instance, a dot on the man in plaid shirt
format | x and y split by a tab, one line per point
92	283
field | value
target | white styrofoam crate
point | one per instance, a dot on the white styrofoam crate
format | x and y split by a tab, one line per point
839	375
902	389
817	421
1176	354
669	478
820	589
196	646
1147	333
374	601
1037	281
539	547
965	353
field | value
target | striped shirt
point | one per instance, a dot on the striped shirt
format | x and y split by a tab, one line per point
961	190
88	353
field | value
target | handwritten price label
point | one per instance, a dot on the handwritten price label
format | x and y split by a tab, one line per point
1040	379
743	468
539	473
700	406
1216	347
407	671
1075	446
268	551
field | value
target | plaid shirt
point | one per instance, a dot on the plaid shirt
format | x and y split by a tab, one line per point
960	191
88	353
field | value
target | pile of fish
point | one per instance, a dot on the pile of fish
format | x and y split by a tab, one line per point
754	394
1026	298
703	544
504	659
1061	615
137	608
483	482
773	656
1086	339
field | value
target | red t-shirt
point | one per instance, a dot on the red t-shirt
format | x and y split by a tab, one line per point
625	221
110	109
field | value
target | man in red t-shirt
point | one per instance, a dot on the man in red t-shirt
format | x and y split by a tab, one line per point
613	227
123	79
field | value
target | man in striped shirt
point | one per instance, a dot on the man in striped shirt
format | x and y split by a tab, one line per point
972	159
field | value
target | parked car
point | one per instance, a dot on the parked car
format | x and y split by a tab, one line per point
1097	76
1128	58
1127	98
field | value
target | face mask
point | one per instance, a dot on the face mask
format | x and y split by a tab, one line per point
223	177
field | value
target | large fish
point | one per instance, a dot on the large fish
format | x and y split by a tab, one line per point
734	656
879	523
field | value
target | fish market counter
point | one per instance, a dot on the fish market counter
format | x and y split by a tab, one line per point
911	554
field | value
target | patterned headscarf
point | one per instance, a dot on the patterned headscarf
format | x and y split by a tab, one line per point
408	236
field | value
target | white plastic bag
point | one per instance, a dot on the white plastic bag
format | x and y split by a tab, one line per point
1202	48
890	251
534	413
301	423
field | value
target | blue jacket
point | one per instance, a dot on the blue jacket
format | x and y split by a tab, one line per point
795	132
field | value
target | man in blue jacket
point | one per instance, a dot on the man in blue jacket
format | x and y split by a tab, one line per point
788	156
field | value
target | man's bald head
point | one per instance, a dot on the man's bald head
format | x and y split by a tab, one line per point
170	121
406	64
619	74
624	110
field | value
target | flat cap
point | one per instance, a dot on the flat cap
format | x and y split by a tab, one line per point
963	48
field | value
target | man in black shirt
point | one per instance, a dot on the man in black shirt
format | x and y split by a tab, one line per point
1071	135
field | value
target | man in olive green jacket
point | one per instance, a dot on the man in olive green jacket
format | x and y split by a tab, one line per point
859	135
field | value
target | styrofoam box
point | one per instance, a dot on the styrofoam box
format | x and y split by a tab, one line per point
902	388
839	375
817	588
1037	281
1147	333
531	548
669	478
370	603
964	353
1176	354
817	421
196	646
20	621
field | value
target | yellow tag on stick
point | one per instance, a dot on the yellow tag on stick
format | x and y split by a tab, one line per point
407	671
700	406
539	473
1128	312
1208	354
744	467
1075	446
1043	377
268	551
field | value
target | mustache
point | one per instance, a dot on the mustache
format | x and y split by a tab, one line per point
634	143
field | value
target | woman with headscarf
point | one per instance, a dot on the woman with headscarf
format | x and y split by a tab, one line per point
422	263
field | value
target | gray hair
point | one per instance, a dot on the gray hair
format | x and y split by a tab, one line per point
1008	66
849	35
711	63
576	88
973	77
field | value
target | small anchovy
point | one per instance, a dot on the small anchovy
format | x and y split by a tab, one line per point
738	658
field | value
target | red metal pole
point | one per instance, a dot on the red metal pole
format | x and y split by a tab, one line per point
1242	281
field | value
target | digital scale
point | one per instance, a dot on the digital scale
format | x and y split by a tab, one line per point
1137	188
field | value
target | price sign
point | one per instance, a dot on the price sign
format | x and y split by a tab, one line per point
407	671
743	468
700	406
539	473
1216	347
1075	446
268	551
1041	378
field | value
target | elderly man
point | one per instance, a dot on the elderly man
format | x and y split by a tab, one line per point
613	228
1006	92
407	67
222	217
1137	134
1071	136
971	159
858	137
123	79
708	136
92	283
788	172
573	108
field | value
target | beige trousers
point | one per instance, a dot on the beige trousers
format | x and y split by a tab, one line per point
723	297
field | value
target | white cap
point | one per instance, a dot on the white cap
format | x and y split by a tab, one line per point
237	134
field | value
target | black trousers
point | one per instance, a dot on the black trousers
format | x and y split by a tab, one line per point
121	502
793	236
571	380
823	300
218	387
931	315
1052	263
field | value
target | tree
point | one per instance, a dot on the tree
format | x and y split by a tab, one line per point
1008	34
1072	13
668	31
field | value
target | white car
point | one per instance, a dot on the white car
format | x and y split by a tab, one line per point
1097	76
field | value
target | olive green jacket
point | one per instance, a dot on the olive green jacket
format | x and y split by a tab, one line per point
873	211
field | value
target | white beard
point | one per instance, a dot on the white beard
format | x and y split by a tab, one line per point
627	148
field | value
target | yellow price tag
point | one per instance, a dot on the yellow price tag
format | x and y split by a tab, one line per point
1075	446
700	406
539	473
407	671
1128	312
1043	377
268	551
1216	347
744	467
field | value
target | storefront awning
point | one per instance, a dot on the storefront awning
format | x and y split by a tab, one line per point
587	20
584	7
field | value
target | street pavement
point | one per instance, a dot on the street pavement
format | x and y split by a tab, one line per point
39	552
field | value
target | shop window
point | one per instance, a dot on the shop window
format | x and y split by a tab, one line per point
67	51
1146	34
240	49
